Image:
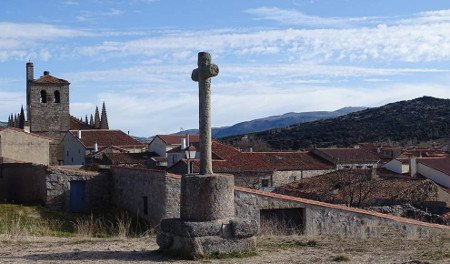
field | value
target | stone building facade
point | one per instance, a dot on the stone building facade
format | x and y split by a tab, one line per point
19	146
48	108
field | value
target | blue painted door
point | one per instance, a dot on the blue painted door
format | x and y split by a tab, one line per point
77	196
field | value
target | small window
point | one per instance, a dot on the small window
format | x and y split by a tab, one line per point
57	98
359	166
67	153
145	198
43	98
265	183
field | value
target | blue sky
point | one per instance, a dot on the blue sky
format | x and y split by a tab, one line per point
274	56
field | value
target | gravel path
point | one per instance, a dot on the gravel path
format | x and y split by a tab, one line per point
291	249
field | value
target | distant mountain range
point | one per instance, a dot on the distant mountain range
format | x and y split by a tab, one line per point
421	119
3	124
272	122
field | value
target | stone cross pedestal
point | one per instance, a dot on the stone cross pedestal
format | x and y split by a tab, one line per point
207	223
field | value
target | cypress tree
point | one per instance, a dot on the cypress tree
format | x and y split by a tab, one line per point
104	119
21	118
97	119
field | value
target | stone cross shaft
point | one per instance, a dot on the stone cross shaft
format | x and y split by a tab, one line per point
203	75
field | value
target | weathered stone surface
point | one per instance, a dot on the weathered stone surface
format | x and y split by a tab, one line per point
241	228
207	197
164	241
203	75
196	247
183	228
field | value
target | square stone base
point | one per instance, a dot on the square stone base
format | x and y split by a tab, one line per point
198	247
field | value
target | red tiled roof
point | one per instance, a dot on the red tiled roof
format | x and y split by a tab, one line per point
176	139
48	79
105	137
232	160
75	124
348	155
442	165
125	158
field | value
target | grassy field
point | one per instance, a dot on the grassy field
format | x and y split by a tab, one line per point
18	221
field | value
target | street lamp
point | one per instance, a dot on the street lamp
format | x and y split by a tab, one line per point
190	154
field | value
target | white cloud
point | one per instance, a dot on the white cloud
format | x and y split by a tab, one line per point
404	43
70	3
294	17
33	40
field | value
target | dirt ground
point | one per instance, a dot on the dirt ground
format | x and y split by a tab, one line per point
288	249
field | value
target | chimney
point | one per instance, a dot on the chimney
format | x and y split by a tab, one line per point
79	134
30	71
95	147
413	167
46	73
183	143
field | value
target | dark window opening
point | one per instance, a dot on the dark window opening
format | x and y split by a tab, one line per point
43	98
282	221
145	198
67	153
265	183
57	98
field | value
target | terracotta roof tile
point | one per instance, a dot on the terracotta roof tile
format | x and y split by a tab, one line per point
48	79
125	158
348	155
232	160
442	165
75	124
176	139
105	137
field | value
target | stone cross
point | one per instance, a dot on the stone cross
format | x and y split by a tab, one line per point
203	75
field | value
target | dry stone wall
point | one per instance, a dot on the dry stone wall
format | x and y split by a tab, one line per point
146	193
319	218
98	188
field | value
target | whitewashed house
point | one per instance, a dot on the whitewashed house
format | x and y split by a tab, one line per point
161	144
78	144
437	170
398	165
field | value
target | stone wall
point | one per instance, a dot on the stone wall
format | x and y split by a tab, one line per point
285	177
329	219
22	183
50	186
98	188
163	192
146	193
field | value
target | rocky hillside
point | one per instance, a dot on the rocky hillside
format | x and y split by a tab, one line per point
420	119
